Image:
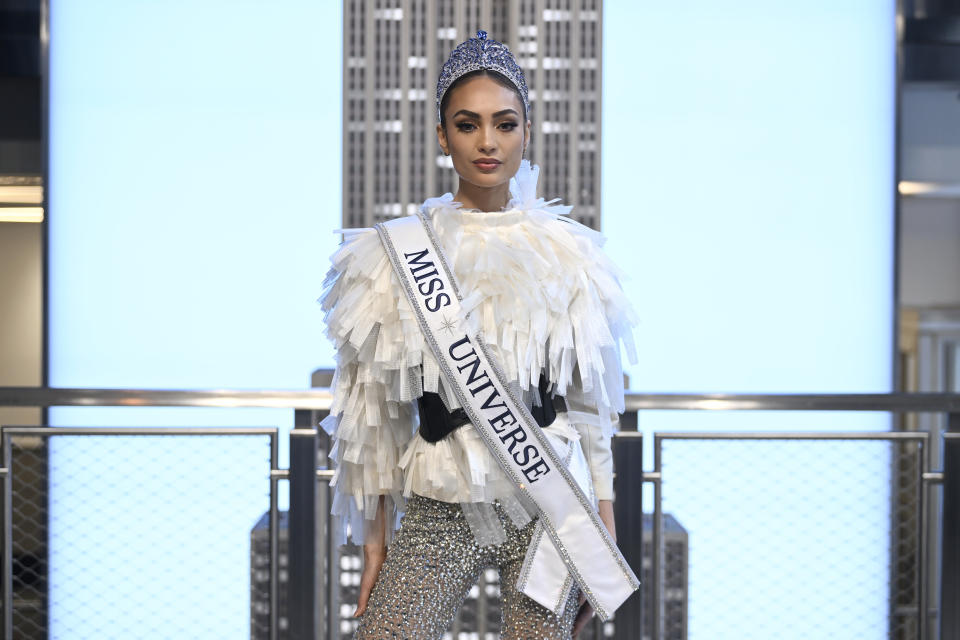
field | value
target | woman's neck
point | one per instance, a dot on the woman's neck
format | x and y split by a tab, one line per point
491	199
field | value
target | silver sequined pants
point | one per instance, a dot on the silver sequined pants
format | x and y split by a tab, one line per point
431	566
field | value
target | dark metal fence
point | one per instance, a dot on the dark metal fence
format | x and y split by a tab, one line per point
120	502
792	471
305	586
773	517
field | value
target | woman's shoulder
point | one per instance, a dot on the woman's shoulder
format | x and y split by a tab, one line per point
358	289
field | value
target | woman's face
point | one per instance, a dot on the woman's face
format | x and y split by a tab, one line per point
484	121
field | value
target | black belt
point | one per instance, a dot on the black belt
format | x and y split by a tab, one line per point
436	422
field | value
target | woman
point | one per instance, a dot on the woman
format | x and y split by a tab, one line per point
547	302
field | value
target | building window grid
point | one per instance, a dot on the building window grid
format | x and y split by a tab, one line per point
557	112
499	17
546	43
376	171
376	59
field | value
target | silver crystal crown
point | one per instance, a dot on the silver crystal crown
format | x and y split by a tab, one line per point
481	53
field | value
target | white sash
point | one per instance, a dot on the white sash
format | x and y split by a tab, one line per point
543	576
567	517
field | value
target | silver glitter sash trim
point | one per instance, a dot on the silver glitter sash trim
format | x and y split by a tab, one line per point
503	420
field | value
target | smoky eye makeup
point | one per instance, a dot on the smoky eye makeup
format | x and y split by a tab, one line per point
467	125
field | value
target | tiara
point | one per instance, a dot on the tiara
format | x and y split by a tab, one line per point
480	53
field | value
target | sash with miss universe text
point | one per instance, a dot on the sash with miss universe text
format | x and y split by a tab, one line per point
504	422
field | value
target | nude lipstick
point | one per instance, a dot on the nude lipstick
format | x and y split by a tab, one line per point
487	164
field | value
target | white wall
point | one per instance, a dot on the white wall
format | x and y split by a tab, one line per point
21	315
930	252
930	227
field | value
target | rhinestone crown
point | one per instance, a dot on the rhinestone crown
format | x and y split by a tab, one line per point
481	53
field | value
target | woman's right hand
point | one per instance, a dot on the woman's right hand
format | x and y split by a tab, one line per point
373	556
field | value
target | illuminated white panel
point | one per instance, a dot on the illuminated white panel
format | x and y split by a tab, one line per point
748	185
747	188
194	181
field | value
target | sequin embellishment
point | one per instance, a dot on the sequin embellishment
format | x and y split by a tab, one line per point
430	568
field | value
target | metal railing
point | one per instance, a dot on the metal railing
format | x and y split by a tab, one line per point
914	624
628	448
34	627
313	589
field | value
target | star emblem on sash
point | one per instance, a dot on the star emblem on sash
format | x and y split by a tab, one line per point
448	325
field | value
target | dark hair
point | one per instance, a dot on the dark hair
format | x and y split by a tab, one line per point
498	77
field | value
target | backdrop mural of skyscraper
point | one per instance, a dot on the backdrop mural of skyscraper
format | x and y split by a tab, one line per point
392	53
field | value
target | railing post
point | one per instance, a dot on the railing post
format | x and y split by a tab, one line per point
274	536
6	583
330	553
628	512
304	589
950	569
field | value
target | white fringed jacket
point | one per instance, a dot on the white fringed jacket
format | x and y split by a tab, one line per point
546	299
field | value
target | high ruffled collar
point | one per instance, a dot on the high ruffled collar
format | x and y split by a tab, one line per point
523	197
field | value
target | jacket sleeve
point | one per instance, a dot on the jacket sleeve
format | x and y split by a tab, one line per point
372	416
603	319
596	435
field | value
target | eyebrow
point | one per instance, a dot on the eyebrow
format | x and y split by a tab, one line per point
472	114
